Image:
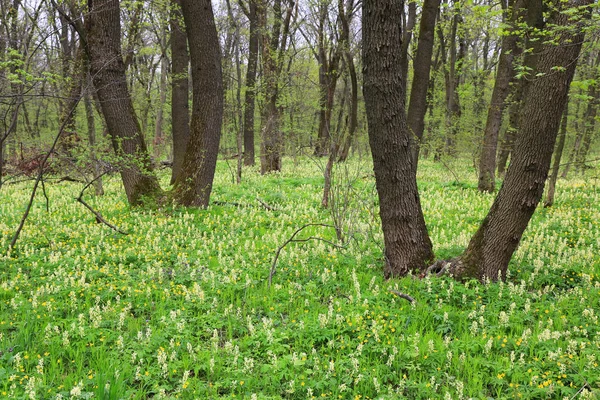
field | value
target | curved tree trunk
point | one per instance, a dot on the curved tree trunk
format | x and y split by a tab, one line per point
103	28
417	106
194	184
407	244
493	245
180	109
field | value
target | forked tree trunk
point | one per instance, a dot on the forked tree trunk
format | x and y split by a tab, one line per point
180	109
103	28
407	244
504	75
417	106
494	243
194	184
557	157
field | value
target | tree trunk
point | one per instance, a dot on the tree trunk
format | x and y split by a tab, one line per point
108	71
493	245
417	106
194	184
345	16
407	244
162	96
91	125
504	75
180	109
249	99
407	34
589	119
557	156
75	76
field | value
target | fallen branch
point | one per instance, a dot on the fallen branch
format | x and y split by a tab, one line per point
585	386
99	217
292	240
403	296
265	205
439	268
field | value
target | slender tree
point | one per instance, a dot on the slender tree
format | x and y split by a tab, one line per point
407	244
180	113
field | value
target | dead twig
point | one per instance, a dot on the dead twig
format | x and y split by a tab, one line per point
403	296
98	216
265	205
585	386
293	240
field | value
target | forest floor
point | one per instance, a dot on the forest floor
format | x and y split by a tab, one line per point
181	306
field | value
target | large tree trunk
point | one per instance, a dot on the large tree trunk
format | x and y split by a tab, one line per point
557	157
180	109
194	184
249	99
108	70
407	244
493	245
417	106
504	75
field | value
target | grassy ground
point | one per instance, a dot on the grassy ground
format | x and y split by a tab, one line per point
181	308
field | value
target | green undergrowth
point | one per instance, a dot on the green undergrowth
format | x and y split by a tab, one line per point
181	306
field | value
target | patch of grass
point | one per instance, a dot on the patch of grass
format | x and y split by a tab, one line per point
180	307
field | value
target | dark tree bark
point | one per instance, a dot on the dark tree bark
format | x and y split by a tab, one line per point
250	96
417	106
408	25
407	244
557	157
504	75
103	29
180	113
194	184
345	18
589	118
493	245
274	45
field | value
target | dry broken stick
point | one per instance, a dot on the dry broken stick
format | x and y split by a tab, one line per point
99	217
403	296
292	240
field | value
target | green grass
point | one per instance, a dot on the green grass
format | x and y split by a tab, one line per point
180	307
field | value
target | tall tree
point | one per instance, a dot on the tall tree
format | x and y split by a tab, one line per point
103	46
250	95
407	243
417	106
504	74
558	151
491	248
180	113
194	184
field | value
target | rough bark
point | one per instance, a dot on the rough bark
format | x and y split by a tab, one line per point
250	95
557	157
345	18
494	243
180	109
417	106
407	244
194	184
108	70
504	75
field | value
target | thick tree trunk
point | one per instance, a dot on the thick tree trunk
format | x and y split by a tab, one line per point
504	75
194	184
249	99
417	106
493	245
108	71
557	156
180	109
407	244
